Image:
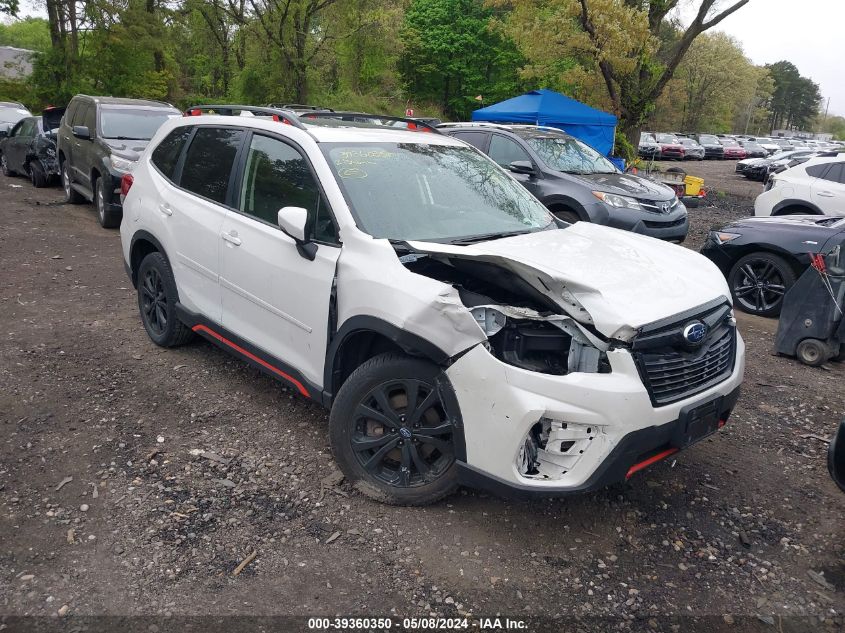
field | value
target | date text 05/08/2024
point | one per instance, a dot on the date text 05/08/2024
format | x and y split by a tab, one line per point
417	624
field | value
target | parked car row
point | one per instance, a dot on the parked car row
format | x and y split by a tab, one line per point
676	146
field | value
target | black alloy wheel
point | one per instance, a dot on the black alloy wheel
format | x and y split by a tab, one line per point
401	435
154	310
759	282
157	301
394	428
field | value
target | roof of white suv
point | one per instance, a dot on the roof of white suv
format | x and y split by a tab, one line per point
329	130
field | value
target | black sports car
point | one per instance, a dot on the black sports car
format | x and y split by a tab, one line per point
761	257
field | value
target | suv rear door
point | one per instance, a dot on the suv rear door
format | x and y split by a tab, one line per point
828	189
193	212
272	296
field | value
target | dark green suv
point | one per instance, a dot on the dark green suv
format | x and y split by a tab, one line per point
99	140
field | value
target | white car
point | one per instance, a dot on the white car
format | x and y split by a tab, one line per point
456	330
814	187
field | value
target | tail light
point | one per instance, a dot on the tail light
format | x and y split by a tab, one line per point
126	184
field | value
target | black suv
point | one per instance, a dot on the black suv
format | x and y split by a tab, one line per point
575	181
100	139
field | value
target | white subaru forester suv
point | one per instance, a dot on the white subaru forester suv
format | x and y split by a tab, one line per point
457	331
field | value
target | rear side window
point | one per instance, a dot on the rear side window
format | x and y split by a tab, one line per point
209	160
817	171
836	173
166	155
476	139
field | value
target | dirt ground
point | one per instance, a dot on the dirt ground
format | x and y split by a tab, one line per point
135	480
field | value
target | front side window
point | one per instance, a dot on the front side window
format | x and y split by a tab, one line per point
442	193
506	151
28	128
568	154
209	161
132	123
276	176
166	155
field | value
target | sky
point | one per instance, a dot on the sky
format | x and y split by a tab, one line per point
807	33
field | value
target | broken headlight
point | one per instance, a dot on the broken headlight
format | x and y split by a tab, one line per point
541	345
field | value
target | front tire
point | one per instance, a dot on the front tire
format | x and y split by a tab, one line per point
71	195
758	283
108	217
566	215
391	433
157	299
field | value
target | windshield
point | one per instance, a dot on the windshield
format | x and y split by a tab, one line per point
440	193
707	138
667	138
13	114
688	142
647	138
570	155
126	123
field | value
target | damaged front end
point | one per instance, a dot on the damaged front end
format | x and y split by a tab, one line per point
525	329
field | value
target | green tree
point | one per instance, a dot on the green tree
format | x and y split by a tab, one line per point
632	44
30	33
795	100
453	55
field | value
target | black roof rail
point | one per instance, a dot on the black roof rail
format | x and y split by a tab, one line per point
364	117
299	106
229	109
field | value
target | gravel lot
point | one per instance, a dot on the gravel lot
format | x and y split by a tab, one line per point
134	480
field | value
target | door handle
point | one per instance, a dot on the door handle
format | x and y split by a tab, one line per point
826	194
232	238
165	209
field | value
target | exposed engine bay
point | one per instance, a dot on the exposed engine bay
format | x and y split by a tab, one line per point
524	327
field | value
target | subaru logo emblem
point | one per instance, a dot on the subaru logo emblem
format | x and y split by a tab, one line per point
695	332
405	433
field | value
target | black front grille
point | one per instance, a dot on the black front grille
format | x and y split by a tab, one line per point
671	369
664	225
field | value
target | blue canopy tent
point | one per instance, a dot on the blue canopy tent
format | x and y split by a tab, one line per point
547	107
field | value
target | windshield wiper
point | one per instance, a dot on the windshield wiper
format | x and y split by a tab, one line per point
127	138
486	237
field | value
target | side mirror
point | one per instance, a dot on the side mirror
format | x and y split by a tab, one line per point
294	222
522	167
82	131
836	457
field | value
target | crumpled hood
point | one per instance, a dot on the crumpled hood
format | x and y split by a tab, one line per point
129	149
626	185
621	280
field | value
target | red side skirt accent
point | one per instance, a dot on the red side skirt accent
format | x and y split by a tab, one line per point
253	357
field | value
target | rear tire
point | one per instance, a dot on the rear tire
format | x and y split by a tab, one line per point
813	352
108	217
157	299
390	432
37	175
4	165
72	196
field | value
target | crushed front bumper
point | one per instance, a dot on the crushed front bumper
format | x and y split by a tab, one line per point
500	403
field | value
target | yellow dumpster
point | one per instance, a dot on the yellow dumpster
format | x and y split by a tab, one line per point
693	185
